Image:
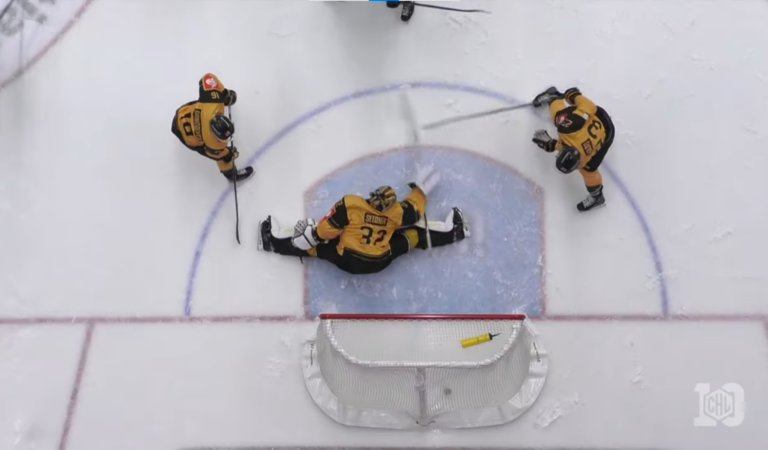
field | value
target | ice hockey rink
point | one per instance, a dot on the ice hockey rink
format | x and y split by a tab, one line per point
131	319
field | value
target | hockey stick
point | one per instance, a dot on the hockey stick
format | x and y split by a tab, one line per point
441	123
445	8
234	183
413	123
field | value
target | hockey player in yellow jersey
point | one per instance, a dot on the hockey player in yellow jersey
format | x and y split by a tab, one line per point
202	126
364	236
585	133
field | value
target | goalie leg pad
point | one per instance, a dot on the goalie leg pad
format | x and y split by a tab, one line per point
305	234
454	229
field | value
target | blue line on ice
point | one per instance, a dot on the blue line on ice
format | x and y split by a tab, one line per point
271	142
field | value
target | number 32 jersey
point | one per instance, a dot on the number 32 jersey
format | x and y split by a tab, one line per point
366	231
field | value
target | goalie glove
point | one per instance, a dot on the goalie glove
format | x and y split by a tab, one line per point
544	141
426	179
230	97
305	234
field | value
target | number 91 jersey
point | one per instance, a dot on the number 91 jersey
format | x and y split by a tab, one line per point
193	118
365	230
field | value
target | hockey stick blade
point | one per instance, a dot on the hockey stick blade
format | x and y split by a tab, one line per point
259	241
444	122
445	8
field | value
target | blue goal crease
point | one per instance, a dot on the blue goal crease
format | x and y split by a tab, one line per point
467	277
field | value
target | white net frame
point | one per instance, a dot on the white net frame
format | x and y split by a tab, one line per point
407	371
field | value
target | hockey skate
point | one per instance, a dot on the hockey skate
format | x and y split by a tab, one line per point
264	237
407	13
591	202
461	228
239	175
546	97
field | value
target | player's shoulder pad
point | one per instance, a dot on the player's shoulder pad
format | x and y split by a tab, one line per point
337	217
568	121
353	200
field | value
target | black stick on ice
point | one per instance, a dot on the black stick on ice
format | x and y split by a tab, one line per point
234	183
445	8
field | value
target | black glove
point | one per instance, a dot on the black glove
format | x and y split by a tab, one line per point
233	154
571	94
230	98
544	141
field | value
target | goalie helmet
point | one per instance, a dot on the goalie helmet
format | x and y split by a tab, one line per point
222	127
568	160
382	198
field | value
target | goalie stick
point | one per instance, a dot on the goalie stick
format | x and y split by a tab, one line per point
410	116
441	123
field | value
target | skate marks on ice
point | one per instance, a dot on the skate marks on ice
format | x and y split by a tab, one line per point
498	269
28	29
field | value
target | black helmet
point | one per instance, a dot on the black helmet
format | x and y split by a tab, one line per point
222	127
568	160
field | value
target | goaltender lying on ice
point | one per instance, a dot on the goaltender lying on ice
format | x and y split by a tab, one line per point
364	236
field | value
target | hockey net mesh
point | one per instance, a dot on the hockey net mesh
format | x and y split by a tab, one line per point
419	367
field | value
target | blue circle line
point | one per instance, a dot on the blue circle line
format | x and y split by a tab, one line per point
213	214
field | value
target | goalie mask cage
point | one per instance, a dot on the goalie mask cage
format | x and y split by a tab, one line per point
424	371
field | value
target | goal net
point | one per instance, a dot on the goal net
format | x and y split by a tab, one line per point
414	371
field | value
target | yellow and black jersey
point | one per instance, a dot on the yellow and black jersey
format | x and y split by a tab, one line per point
366	231
193	118
578	126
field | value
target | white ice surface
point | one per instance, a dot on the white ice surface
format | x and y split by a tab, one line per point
101	210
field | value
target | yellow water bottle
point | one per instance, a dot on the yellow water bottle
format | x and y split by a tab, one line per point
468	342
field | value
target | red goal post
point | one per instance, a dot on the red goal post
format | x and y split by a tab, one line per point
424	370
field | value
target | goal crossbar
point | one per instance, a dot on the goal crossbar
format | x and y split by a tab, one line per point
389	316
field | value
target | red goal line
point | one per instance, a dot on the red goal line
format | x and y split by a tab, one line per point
351	316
